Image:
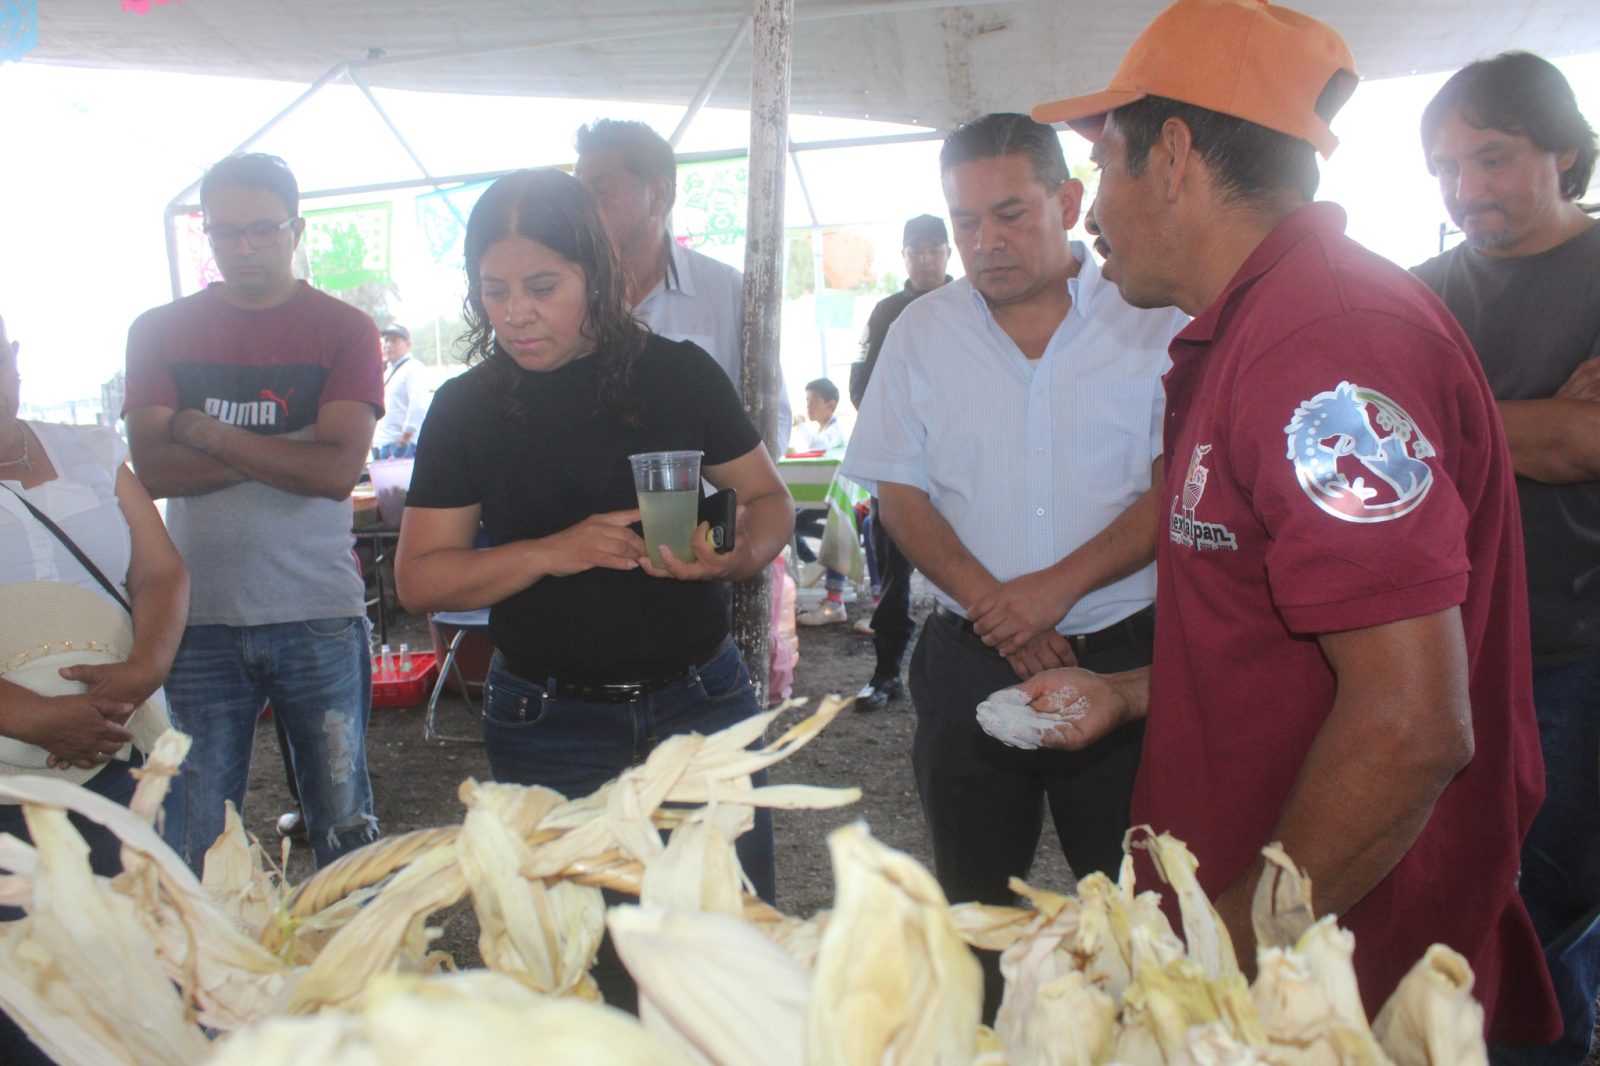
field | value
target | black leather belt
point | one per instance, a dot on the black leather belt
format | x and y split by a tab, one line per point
612	691
1137	628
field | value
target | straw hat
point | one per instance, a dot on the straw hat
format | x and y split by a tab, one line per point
45	625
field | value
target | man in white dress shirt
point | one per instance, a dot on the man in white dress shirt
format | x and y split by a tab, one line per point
677	292
1012	433
405	397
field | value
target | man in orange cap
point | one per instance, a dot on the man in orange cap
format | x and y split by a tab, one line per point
1341	659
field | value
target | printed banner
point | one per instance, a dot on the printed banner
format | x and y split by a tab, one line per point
442	218
197	267
348	247
19	28
710	209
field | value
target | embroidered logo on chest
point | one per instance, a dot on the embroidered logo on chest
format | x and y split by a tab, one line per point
1358	455
1182	526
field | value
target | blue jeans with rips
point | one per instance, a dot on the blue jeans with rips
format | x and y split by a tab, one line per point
318	677
1561	857
575	746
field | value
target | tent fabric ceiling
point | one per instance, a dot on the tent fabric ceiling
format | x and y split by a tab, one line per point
916	61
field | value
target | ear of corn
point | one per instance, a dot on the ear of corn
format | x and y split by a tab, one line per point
1208	940
1215	1045
1306	1005
403	1020
545	935
1432	1019
237	876
713	986
1068	1022
894	981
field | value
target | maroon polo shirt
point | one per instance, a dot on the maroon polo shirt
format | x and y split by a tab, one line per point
1335	461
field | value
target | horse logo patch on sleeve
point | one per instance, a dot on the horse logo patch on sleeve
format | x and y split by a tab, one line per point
1359	455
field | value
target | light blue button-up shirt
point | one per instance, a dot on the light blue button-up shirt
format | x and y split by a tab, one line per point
1026	459
702	300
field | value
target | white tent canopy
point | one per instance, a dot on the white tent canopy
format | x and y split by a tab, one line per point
927	62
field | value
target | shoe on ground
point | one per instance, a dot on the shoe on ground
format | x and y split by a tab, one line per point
826	613
878	692
292	824
861	627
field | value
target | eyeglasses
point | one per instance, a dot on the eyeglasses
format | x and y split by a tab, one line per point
258	234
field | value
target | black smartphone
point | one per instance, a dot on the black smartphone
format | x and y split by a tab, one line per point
721	510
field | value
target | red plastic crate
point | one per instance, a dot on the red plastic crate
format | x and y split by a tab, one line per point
404	690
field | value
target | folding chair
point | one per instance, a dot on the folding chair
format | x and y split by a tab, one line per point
463	622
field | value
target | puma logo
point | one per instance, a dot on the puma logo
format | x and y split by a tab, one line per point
281	401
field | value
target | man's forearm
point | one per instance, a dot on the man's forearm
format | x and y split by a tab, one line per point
1124	547
1553	441
168	469
301	467
925	538
1399	730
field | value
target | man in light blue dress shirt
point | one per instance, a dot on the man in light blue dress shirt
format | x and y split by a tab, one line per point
1012	433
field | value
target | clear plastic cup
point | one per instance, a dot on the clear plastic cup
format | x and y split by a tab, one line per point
668	484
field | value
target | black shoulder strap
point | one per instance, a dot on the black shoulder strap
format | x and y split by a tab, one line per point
77	552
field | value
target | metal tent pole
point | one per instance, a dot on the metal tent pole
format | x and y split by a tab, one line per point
763	284
709	86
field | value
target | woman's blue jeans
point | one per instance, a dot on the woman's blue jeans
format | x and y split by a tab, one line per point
576	746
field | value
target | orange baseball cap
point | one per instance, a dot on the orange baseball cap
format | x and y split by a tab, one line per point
1246	58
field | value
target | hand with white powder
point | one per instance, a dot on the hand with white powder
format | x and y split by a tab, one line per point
1069	708
1008	717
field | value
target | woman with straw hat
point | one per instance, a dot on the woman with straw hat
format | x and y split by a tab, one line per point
93	598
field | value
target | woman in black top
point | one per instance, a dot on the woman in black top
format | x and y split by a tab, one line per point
598	654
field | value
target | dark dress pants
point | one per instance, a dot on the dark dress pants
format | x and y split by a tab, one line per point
984	802
891	622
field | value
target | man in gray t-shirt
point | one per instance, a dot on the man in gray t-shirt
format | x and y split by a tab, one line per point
1513	154
250	406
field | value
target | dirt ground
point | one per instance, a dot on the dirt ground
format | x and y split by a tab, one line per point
415	781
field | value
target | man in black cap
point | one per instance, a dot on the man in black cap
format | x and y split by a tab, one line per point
926	247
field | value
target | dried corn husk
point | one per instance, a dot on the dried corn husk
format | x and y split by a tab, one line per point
543	934
98	990
480	1017
238	876
1214	1045
1280	910
1432	1018
713	986
1068	1023
227	975
699	869
387	934
894	981
1208	940
1109	913
1308	1004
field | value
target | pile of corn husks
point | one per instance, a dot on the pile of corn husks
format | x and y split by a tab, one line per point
155	967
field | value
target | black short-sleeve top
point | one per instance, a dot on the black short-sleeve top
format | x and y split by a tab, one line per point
564	459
